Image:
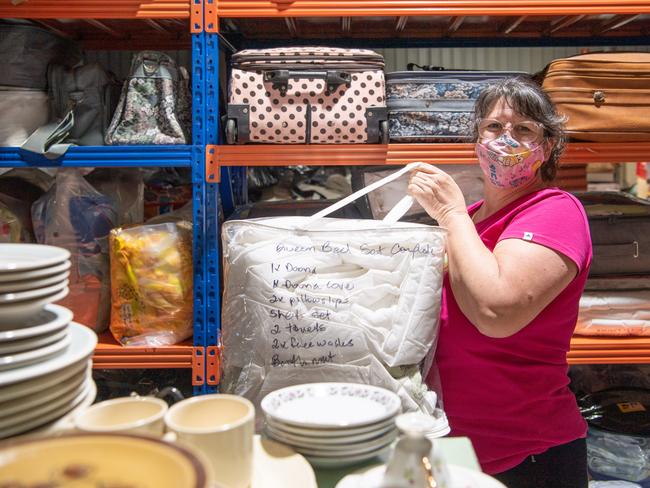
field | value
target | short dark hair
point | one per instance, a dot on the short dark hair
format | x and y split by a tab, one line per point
526	98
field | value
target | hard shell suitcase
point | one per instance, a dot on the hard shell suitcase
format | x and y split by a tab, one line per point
620	233
435	106
606	95
302	95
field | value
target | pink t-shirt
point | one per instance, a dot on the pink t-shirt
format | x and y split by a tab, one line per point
510	396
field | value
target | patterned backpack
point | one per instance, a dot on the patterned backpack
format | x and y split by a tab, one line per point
155	105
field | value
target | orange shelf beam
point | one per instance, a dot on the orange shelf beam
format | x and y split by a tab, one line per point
111	355
609	350
579	343
611	360
396	154
398	8
96	9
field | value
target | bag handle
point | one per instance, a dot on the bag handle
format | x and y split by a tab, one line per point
281	77
396	213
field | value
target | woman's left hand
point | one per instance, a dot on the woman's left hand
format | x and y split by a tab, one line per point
437	192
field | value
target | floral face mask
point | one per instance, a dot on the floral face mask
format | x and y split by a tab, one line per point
507	162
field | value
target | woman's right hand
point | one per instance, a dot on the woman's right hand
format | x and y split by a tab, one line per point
437	192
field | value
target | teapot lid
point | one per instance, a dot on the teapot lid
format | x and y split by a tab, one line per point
415	424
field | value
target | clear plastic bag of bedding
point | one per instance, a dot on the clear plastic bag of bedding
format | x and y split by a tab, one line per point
75	216
310	299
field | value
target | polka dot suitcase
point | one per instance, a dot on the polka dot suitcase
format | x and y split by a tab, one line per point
307	95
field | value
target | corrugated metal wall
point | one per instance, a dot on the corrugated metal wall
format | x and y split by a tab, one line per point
527	59
119	62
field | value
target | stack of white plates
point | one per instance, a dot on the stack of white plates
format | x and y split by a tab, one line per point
44	357
43	392
31	276
333	424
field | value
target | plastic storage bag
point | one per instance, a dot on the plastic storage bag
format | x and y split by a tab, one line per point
151	284
75	216
618	443
310	299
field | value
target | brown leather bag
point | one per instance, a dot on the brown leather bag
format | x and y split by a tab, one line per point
606	95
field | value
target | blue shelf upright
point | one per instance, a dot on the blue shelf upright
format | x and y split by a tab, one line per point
199	199
211	243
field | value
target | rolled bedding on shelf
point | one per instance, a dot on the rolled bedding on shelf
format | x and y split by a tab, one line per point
614	313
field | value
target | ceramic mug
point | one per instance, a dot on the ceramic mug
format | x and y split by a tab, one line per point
132	415
221	427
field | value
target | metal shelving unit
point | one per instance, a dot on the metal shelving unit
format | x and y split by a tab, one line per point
153	24
195	24
105	156
386	23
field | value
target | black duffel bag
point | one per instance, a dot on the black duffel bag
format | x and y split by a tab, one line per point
26	51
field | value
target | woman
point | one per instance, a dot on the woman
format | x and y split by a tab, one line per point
518	261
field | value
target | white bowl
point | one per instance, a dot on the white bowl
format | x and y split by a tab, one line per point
331	405
20	257
11	313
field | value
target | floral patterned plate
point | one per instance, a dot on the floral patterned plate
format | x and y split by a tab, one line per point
331	405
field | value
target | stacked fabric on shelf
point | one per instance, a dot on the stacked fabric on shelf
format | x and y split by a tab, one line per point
614	313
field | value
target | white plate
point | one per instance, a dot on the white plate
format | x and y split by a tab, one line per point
65	423
83	342
51	416
460	478
39	355
48	320
30	343
438	433
42	396
331	405
39	383
343	453
335	449
328	462
21	296
277	466
14	286
35	273
333	433
306	440
12	312
19	257
63	397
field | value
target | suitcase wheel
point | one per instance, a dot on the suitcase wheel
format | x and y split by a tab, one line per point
383	132
231	131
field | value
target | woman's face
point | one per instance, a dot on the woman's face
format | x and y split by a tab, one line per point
502	118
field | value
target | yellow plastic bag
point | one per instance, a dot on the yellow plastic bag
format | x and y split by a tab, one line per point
151	284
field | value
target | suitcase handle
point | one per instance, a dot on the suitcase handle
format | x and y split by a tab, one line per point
280	78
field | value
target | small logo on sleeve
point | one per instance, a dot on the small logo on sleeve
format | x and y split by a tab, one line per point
528	236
